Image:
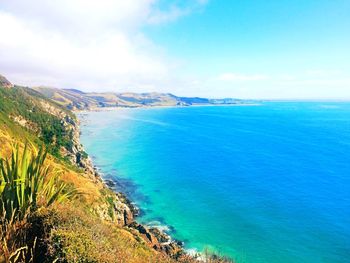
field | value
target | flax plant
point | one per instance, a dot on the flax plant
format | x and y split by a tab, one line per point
26	180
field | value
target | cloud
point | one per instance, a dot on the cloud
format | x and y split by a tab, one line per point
174	12
231	77
159	17
87	44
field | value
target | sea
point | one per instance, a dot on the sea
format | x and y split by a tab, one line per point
257	183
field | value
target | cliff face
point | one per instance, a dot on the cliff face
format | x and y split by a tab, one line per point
5	83
118	209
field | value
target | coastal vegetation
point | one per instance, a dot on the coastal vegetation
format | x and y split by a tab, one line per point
27	184
17	104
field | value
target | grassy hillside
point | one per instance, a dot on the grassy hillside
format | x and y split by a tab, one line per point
93	225
29	109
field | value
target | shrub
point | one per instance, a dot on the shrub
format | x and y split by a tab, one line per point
26	183
25	180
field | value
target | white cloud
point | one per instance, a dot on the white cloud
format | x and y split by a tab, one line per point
241	77
174	12
159	17
87	44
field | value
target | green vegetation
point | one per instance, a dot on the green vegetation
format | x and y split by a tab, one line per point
25	181
26	184
25	105
80	237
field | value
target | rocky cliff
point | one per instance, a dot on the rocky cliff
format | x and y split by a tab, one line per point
5	83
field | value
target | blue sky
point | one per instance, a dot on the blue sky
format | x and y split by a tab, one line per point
238	48
307	40
261	35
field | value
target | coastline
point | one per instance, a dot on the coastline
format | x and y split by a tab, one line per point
152	230
155	235
86	139
101	109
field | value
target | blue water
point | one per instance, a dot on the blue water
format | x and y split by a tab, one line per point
268	183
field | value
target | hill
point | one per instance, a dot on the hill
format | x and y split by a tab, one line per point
78	100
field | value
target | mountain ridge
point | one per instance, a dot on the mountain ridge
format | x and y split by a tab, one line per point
78	100
74	99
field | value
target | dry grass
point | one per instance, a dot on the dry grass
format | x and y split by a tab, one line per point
80	237
14	245
89	189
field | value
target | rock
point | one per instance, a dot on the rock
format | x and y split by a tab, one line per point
5	83
110	183
173	249
134	210
161	236
145	233
115	211
128	217
159	240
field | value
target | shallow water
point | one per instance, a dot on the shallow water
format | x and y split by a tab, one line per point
267	183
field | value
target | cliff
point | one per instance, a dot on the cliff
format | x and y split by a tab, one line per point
5	83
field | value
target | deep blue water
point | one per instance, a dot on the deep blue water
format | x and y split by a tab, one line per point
268	183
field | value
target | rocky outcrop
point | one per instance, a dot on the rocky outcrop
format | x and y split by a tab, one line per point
158	240
5	83
25	123
116	211
75	153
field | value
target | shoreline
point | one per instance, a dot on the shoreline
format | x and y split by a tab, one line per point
153	229
99	109
159	231
154	233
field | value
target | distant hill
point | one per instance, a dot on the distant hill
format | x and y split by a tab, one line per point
77	100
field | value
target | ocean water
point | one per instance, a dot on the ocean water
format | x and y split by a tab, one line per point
268	183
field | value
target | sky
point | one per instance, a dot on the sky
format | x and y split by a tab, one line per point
250	49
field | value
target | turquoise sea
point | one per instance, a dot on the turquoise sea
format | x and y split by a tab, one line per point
268	183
